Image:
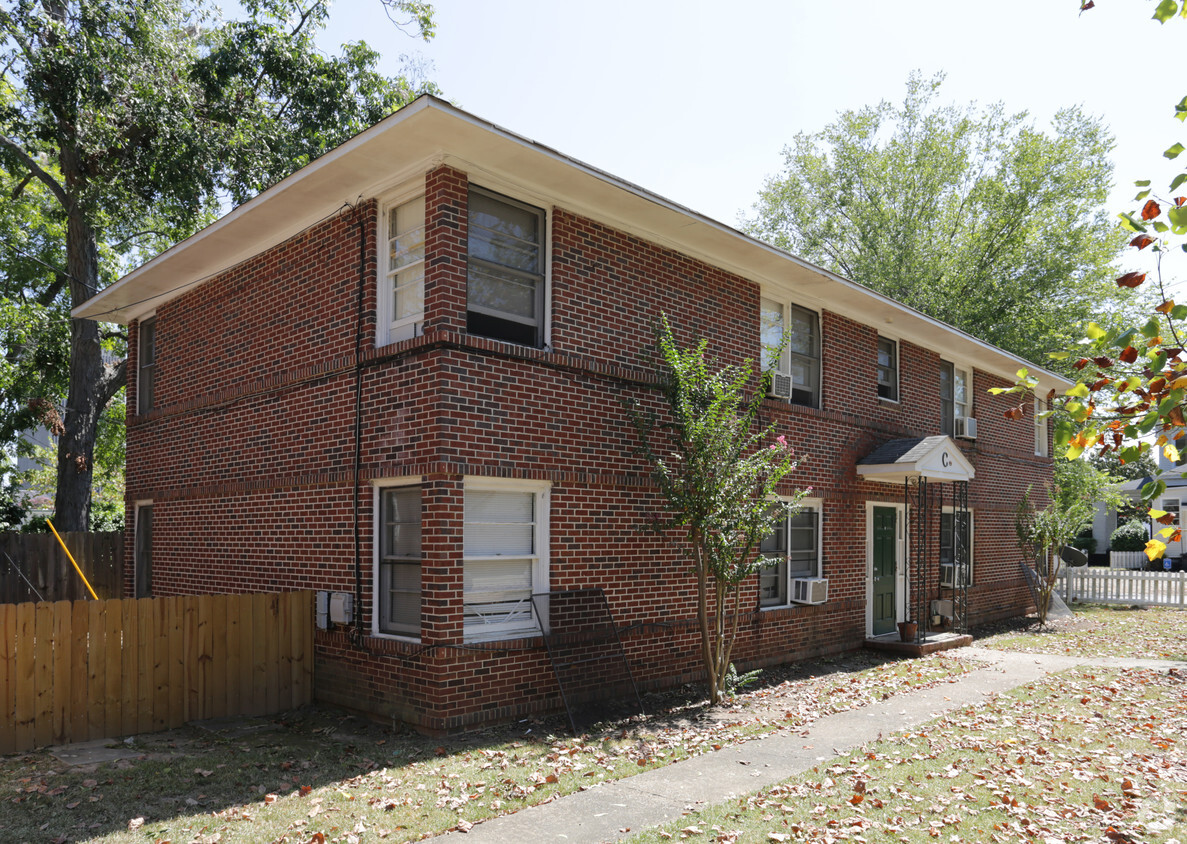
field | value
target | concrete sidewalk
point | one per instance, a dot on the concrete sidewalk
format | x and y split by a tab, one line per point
618	809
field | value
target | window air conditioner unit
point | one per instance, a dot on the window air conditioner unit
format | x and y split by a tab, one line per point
809	590
781	386
949	578
966	427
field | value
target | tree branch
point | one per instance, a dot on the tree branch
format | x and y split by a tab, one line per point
19	189
49	181
135	235
111	382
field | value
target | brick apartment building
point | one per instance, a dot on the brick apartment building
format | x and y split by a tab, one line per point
398	376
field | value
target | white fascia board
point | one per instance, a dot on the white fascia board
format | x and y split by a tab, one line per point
430	131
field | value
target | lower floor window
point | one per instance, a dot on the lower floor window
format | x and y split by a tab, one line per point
143	574
505	539
956	546
794	549
399	560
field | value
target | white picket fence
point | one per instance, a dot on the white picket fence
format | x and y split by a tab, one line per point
1119	586
1127	559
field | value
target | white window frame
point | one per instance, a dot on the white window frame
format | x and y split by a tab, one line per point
783	365
541	490
959	371
387	328
140	323
1040	426
139	506
377	551
948	510
894	369
817	505
494	190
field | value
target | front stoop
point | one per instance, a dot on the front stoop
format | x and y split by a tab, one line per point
932	643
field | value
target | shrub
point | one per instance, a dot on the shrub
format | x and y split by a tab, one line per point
1131	536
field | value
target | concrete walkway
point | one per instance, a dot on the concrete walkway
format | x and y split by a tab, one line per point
619	809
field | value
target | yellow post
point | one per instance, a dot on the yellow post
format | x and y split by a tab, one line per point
71	556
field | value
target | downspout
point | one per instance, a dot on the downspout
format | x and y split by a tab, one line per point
357	632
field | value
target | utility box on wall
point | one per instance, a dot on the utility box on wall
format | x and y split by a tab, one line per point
334	608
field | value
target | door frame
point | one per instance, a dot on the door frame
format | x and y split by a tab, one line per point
902	598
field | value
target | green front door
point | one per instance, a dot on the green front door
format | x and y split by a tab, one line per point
884	570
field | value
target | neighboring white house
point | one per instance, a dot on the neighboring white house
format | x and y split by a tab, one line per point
1174	475
38	438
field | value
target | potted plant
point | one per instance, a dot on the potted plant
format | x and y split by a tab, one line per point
907	630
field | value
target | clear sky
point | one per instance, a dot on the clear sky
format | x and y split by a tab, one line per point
695	100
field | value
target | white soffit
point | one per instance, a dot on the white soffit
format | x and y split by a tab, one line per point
429	131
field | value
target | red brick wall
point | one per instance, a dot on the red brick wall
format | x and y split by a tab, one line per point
249	455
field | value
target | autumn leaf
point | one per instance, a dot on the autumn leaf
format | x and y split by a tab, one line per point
1141	241
1129	354
1131	280
1151	210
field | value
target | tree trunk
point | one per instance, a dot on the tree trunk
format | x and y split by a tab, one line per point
701	574
87	394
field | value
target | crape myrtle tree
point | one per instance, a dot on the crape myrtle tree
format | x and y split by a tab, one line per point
125	126
1043	531
718	469
1131	391
971	215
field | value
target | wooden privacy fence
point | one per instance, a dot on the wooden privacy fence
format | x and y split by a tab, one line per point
74	671
1120	586
41	559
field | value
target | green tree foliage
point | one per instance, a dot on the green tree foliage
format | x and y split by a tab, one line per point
1132	390
717	469
1111	463
1080	481
975	217
1042	532
123	128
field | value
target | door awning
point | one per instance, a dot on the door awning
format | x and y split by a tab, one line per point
935	458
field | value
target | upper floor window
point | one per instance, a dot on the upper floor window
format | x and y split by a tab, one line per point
887	369
954	397
505	275
794	549
398	593
797	367
147	365
402	295
1040	428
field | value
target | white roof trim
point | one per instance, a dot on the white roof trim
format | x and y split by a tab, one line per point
944	461
430	130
